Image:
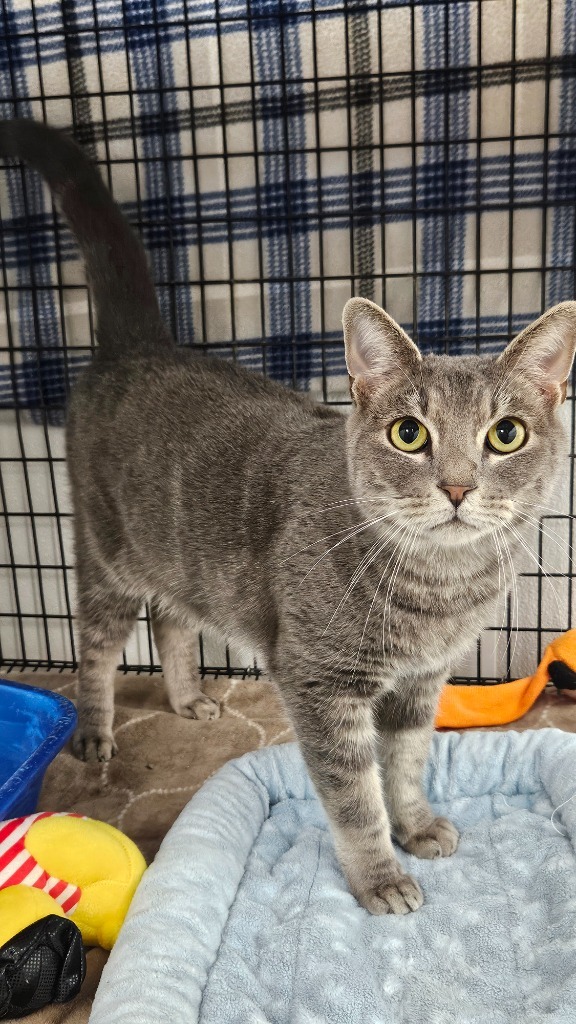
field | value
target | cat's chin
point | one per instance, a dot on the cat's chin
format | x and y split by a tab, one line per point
456	532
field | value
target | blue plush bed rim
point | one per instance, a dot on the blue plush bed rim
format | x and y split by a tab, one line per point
245	916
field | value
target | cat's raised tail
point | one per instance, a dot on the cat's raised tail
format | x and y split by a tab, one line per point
127	313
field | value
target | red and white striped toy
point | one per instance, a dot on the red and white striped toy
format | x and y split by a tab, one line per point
19	867
66	865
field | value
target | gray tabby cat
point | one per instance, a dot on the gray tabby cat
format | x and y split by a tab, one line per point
359	556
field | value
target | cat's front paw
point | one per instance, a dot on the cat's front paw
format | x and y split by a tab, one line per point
89	746
439	839
397	894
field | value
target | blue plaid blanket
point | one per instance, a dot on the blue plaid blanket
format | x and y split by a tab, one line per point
278	156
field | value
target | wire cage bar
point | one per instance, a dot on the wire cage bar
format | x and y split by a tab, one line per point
277	157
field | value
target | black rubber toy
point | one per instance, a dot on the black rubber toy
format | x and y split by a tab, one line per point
564	678
42	964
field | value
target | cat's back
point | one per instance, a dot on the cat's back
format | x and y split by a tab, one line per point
187	406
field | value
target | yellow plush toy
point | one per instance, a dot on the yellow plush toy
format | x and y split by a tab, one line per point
69	866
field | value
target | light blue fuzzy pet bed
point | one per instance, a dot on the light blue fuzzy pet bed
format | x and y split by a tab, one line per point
245	917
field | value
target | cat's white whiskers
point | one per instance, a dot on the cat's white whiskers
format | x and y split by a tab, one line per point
515	600
339	504
363	566
501	574
406	556
514	603
353	533
403	544
538	564
548	514
534	521
555	511
397	529
357	528
402	529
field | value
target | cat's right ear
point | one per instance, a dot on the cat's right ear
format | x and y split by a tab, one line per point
377	349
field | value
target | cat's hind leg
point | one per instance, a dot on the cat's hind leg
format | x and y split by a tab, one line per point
105	621
178	649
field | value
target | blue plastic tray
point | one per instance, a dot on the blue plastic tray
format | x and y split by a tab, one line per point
34	725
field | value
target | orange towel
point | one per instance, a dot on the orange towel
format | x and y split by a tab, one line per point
462	707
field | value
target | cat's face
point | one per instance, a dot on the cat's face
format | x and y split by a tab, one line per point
457	447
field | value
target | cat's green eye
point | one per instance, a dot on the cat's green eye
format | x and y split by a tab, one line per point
408	435
507	435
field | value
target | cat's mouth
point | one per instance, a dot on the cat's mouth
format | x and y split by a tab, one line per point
455	522
464	520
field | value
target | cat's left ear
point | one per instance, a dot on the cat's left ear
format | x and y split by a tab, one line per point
544	351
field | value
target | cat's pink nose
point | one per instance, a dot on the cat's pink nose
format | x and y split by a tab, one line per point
456	492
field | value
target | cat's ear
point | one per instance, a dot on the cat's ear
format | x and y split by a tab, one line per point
544	351
376	347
